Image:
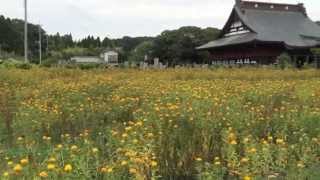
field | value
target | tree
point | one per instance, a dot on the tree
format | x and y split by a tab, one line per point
90	42
179	46
143	49
107	43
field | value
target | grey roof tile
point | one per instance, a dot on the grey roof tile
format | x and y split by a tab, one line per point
294	29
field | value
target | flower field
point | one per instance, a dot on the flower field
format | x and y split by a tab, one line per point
173	124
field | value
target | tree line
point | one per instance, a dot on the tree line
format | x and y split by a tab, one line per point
171	46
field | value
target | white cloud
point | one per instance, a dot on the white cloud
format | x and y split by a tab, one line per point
116	18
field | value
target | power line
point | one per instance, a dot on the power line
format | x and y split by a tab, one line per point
40	48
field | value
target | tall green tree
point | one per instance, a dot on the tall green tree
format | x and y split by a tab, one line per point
138	54
179	46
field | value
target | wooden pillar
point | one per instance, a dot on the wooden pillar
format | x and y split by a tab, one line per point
317	60
306	60
295	60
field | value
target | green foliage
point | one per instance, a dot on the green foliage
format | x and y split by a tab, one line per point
88	66
12	63
179	46
90	42
284	61
57	42
316	51
11	36
77	51
173	47
49	62
25	66
138	54
107	43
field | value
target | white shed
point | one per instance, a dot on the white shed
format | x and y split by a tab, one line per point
111	57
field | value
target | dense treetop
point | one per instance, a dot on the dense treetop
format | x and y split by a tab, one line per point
171	46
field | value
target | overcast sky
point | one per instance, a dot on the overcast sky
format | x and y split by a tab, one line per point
117	18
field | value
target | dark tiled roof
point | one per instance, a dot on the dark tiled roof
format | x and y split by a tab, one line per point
292	28
231	40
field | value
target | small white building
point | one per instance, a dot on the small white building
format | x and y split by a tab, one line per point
111	57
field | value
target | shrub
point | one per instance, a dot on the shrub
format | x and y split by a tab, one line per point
284	61
49	62
25	66
10	63
88	66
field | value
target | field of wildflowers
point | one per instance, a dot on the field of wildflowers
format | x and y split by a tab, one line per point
173	124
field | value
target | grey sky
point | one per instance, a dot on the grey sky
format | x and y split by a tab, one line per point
116	18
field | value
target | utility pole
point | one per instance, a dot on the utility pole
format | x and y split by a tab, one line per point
25	31
40	48
47	49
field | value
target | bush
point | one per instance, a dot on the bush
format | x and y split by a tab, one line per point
88	66
49	62
10	63
284	61
25	66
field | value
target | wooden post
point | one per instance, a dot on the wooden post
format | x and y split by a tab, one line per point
295	60
317	59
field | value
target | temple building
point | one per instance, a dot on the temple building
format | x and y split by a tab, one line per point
258	32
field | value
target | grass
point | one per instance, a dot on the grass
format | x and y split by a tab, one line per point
171	124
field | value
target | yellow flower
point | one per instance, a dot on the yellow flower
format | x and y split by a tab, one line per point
59	146
10	163
301	165
43	174
199	159
247	178
244	160
123	163
217	163
252	150
150	135
51	167
154	163
133	171
52	160
280	141
24	162
74	148
67	168
104	170
246	140
233	142
109	170
124	135
95	150
5	174
135	141
17	168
